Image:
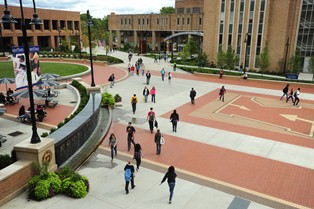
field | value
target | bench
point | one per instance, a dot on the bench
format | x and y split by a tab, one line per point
2	139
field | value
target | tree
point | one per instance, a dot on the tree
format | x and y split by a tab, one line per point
190	48
296	62
202	59
231	58
167	10
220	57
263	58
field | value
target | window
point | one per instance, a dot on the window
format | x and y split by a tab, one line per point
220	39
178	21
125	21
188	21
46	24
222	6
180	10
229	39
147	21
188	10
157	21
252	4
139	21
129	21
196	10
121	21
200	21
143	21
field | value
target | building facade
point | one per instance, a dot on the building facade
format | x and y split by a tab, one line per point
57	26
245	25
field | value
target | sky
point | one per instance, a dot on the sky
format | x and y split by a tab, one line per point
100	8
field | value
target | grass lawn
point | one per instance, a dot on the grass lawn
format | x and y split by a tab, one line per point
62	69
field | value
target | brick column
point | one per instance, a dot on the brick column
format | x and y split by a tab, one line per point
153	40
135	38
110	39
118	34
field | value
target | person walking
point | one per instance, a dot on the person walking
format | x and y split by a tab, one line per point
174	67
151	118
137	68
131	131
134	101
143	68
285	92
222	92
221	73
148	75
129	67
157	140
241	68
169	78
192	95
163	74
132	69
297	97
113	146
145	94
111	79
290	96
129	175
153	93
174	118
245	76
171	176
138	154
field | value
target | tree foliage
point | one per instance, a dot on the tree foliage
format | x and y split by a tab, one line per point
167	10
189	49
231	58
296	62
263	58
220	57
202	59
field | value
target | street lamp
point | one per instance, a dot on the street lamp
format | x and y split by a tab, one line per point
246	41
286	57
7	18
89	23
2	46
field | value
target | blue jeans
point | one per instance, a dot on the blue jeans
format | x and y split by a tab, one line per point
162	77
171	188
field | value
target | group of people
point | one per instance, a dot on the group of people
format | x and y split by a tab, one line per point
293	95
25	115
8	99
139	65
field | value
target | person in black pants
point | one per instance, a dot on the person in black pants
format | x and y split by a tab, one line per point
138	155
157	140
129	167
192	95
174	118
171	176
131	131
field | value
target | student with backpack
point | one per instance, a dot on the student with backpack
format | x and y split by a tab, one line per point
290	96
222	92
134	100
151	119
138	155
129	176
296	97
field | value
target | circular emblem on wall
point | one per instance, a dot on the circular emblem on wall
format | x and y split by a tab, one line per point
47	157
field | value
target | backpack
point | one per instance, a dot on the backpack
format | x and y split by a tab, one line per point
151	117
128	174
295	94
133	100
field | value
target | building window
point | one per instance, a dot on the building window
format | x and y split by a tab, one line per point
220	39
147	21
178	21
222	6
180	10
46	24
139	21
200	21
157	21
143	21
125	21
229	39
121	21
129	21
188	21
188	10
196	10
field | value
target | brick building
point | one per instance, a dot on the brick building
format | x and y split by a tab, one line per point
57	26
243	24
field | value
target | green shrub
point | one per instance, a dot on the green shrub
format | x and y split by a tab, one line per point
52	130
5	160
107	99
60	124
45	134
75	186
44	186
117	98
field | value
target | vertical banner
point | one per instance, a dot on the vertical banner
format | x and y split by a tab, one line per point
19	66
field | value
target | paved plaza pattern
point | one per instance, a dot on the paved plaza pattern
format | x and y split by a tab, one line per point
255	150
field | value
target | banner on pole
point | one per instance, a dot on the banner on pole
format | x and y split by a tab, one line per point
19	66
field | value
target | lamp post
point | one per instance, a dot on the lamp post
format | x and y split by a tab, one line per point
2	46
89	23
246	41
286	57
7	18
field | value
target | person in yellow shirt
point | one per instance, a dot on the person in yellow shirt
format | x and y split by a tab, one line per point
134	101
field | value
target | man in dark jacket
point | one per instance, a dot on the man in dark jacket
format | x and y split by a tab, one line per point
192	95
174	118
158	142
129	176
171	176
